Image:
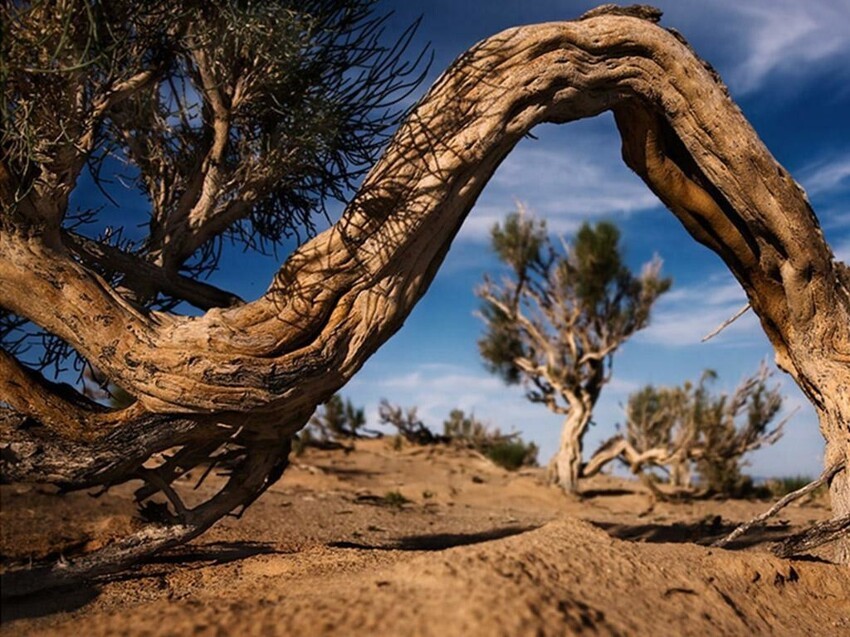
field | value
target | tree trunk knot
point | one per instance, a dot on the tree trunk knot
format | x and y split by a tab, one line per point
642	11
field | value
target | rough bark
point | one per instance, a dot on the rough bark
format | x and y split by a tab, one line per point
567	463
344	293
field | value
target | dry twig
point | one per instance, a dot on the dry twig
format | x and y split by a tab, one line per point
824	478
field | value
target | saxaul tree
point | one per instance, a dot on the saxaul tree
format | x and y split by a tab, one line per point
230	122
556	320
407	423
250	374
339	418
689	429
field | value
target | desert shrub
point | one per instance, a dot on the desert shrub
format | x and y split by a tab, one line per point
333	424
506	450
461	430
407	423
513	454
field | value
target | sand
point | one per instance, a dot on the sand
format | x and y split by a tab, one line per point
469	549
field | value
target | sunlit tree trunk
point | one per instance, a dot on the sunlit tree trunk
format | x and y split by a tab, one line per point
567	463
242	371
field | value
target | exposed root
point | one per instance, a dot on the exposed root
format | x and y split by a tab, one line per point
261	466
815	536
824	478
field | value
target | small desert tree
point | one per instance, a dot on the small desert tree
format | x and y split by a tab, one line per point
690	428
333	423
556	320
406	422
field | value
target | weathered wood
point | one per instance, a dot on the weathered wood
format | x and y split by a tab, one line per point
344	293
783	502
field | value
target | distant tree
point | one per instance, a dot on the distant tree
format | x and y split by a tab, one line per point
506	450
728	427
556	320
688	428
407	423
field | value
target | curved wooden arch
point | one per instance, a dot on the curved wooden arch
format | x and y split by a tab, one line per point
340	296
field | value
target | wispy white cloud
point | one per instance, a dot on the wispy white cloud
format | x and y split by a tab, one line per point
789	37
826	176
564	183
687	314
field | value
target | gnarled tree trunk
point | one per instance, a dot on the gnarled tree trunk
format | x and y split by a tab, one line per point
566	467
344	293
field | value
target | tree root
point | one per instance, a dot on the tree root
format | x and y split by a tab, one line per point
263	463
816	535
824	478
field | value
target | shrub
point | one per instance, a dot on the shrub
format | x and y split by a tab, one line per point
513	454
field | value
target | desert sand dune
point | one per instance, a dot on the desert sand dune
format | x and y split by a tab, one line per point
433	541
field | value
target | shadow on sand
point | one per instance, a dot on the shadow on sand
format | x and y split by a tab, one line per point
71	598
437	541
702	533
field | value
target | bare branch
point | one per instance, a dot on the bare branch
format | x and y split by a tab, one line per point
823	479
835	530
725	324
143	275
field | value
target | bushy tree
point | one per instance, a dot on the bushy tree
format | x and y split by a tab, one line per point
689	429
556	320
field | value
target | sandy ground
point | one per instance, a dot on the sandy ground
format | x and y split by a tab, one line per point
475	550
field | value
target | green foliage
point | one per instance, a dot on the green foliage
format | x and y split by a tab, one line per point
508	451
520	242
502	345
459	426
577	301
513	454
335	421
394	499
312	93
709	432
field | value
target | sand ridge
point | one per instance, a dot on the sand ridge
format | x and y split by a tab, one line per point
474	550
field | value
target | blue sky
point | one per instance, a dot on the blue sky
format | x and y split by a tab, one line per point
787	64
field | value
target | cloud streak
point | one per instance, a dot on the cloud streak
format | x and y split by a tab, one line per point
570	177
789	37
687	314
827	177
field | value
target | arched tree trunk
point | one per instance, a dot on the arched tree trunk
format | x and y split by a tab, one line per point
343	294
